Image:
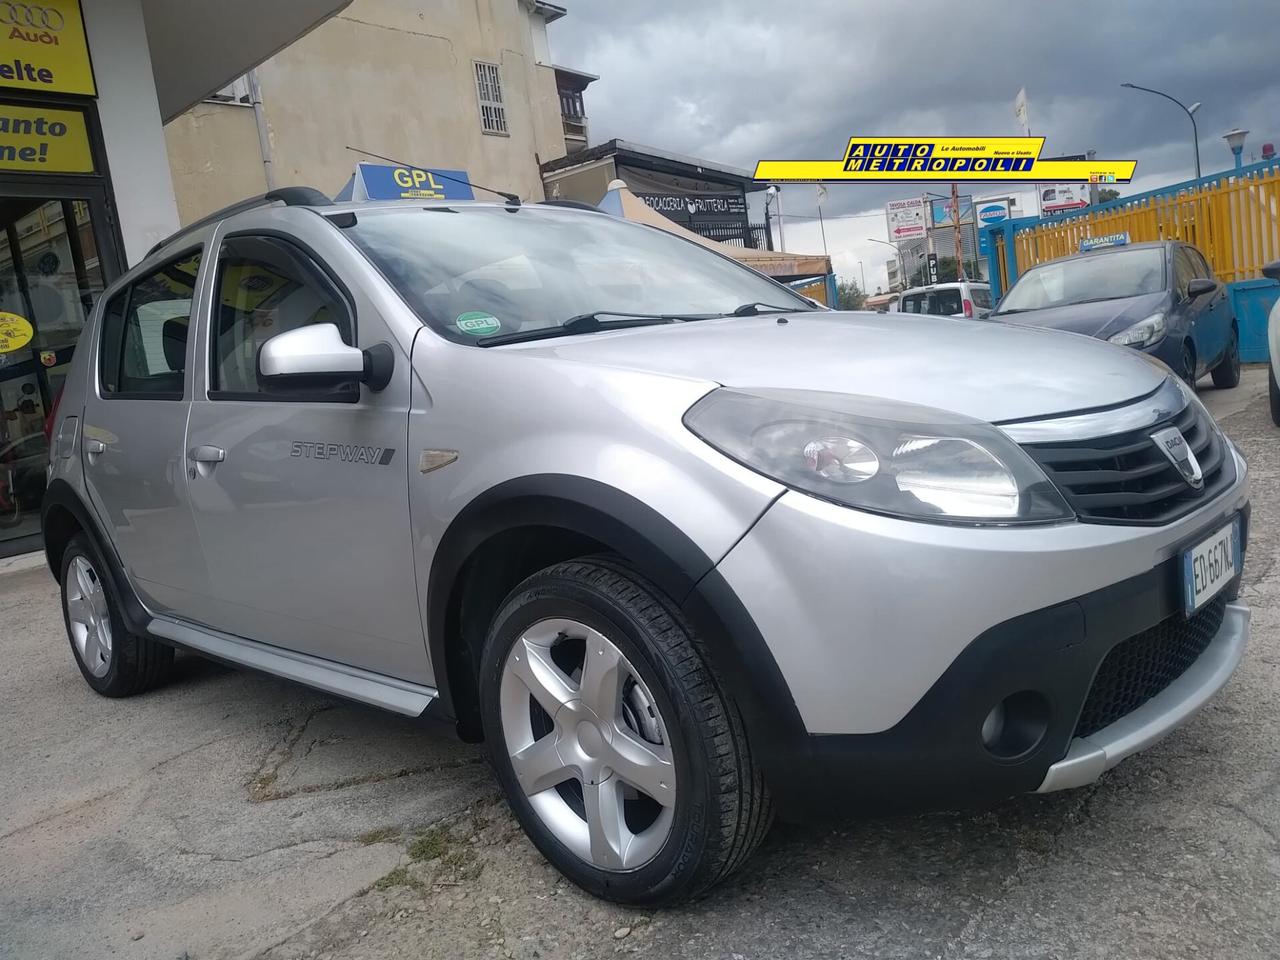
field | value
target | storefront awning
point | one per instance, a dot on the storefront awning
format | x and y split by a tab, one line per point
621	202
200	46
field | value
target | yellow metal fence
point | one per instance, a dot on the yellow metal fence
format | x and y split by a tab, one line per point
1234	220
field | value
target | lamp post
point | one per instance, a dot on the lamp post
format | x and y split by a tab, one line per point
1190	112
864	276
902	270
774	195
1235	140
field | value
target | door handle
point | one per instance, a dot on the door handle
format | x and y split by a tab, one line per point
207	454
94	448
204	457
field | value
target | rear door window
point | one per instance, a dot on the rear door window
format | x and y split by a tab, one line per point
981	297
144	334
946	302
915	303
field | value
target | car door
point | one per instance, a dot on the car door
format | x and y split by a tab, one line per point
1190	313
135	422
301	497
1217	309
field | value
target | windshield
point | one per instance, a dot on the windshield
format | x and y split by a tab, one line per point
1108	276
474	272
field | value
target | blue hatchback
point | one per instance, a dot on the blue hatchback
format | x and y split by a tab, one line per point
1161	298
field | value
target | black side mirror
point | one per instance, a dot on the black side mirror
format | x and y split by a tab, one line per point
1272	270
1200	286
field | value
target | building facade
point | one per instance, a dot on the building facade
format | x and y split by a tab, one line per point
456	84
708	198
85	185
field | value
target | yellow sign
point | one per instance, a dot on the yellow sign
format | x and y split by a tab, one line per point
15	332
946	158
42	140
43	47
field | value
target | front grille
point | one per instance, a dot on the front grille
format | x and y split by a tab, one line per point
1126	479
1139	668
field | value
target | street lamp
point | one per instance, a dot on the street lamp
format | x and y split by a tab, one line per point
1235	140
864	276
774	194
902	269
1190	112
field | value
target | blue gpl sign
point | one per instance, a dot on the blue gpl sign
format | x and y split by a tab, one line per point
1107	240
377	181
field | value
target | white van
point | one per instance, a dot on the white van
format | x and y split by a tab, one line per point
963	298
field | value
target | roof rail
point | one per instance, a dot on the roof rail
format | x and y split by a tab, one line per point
290	196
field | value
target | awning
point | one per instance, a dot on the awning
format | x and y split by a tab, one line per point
621	202
200	46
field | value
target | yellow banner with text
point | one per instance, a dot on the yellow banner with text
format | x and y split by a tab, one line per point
43	47
43	140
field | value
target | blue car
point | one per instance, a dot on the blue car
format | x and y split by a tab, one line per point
1161	298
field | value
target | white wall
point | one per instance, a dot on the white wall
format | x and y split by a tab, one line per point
130	117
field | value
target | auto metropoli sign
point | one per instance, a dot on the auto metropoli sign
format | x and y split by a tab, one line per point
998	159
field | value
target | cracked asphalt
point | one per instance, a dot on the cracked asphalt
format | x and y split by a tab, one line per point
232	815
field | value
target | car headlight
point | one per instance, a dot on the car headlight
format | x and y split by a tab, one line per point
1143	333
879	455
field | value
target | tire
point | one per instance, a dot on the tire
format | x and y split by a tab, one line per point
1274	390
113	661
1227	373
1188	365
672	704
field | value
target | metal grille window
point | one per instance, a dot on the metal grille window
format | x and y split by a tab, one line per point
493	115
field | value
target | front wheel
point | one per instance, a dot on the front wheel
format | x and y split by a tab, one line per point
1227	373
623	758
1188	368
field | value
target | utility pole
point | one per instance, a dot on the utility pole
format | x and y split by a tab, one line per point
782	237
955	228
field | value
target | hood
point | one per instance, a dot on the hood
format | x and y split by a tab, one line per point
1100	319
990	371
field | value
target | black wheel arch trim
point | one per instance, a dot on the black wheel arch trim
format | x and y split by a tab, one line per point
659	550
61	495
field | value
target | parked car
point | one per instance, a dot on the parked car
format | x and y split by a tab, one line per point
1161	298
681	550
1272	271
962	298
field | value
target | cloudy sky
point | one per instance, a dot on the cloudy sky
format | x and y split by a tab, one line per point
745	80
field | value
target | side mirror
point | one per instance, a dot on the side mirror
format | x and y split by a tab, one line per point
1272	270
1200	286
317	356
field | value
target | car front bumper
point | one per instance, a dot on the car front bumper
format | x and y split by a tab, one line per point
896	640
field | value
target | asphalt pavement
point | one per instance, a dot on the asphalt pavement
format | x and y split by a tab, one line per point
234	815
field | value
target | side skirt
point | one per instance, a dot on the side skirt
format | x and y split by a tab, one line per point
398	696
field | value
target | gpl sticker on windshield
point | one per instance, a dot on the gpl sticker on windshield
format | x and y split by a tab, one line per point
477	323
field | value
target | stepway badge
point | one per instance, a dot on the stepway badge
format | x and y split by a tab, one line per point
946	158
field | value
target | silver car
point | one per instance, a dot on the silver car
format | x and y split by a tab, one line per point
683	551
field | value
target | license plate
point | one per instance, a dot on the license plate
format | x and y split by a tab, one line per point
1209	566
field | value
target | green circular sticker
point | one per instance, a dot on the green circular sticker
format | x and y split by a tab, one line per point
477	323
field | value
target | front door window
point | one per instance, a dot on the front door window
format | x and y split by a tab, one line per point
50	275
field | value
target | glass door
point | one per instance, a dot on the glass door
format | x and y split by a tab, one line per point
55	260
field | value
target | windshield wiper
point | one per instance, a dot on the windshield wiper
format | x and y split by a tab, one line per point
584	323
754	308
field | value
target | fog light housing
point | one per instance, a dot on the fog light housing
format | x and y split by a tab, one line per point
1016	725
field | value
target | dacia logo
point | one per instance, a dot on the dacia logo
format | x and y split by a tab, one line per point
1174	446
343	452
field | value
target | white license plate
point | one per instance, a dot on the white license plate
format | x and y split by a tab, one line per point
1209	566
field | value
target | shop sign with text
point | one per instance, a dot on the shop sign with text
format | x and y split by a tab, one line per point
43	47
43	140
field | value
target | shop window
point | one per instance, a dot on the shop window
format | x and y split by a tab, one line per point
144	334
493	114
268	286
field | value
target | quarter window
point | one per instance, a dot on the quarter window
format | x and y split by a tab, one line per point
267	286
493	114
144	334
